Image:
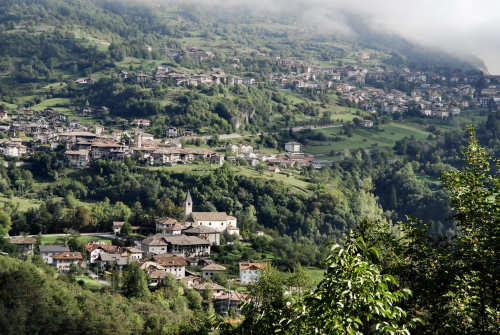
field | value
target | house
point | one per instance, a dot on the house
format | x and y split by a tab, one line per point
173	264
232	230
77	158
141	123
25	244
94	249
180	245
249	272
13	148
157	276
64	260
134	254
117	227
227	302
109	261
172	132
47	251
210	234
367	123
211	270
293	147
217	290
217	220
168	226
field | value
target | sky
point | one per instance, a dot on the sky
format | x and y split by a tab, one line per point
456	26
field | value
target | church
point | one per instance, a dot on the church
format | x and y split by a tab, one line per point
219	221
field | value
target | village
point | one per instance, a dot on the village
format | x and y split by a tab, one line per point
172	251
373	88
29	131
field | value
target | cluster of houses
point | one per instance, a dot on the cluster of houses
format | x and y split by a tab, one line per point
50	130
216	76
292	158
170	251
432	93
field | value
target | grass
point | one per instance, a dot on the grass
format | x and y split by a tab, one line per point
22	204
52	239
57	104
91	284
316	274
293	181
386	136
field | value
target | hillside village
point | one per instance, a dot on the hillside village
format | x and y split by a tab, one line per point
373	89
176	247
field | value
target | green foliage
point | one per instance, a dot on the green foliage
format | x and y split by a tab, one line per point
135	283
355	297
5	223
475	197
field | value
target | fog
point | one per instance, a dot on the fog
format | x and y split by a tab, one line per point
460	27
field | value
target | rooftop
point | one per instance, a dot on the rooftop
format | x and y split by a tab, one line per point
68	256
214	267
211	216
53	248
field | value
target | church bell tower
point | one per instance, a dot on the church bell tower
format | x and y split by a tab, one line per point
188	206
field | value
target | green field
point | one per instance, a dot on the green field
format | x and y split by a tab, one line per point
91	284
385	136
58	104
52	239
316	274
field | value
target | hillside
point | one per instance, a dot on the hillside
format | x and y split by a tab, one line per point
46	45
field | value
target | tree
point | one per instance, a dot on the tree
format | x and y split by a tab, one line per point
135	283
5	223
354	297
474	194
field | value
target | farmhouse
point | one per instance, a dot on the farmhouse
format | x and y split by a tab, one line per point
180	245
211	270
249	272
25	244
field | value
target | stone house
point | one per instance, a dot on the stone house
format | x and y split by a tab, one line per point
210	234
25	244
210	270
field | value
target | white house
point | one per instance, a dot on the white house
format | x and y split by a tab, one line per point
175	265
293	147
63	261
94	249
249	272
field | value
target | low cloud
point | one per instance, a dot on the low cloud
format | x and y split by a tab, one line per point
461	27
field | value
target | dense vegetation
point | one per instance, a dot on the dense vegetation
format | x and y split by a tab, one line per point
32	301
380	283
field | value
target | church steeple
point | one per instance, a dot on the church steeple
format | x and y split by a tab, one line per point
188	206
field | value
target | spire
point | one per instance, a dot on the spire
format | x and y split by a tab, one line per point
188	206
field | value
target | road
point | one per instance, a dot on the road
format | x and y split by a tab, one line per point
110	236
